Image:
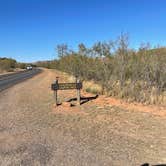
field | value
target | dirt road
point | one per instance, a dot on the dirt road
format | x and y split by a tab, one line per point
33	132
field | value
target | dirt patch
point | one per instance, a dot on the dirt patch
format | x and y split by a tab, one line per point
67	108
109	101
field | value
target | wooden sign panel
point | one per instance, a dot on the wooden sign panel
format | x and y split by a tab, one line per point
66	86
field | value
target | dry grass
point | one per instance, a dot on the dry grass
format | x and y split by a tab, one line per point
130	93
88	86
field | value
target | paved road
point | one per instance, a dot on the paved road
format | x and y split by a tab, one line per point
9	80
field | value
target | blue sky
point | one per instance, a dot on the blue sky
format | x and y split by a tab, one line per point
31	29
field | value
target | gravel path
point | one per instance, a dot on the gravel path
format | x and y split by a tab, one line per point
33	132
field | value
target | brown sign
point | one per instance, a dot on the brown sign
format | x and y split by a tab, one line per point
66	86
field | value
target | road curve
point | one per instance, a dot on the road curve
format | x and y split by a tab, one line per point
9	80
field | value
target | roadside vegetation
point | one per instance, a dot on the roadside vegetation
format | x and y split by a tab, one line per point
135	75
10	65
7	64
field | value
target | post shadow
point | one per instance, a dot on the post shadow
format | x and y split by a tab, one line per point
84	99
147	164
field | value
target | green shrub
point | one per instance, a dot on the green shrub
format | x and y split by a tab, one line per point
7	64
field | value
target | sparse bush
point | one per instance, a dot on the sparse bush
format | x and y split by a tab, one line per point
21	65
120	71
91	90
7	64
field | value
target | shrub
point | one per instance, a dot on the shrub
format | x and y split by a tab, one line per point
120	71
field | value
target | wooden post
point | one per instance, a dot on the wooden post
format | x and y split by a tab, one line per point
55	93
56	99
78	97
78	92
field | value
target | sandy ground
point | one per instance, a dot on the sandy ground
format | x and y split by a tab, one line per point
100	132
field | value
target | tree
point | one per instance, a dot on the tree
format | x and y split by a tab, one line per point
122	57
82	50
62	50
7	64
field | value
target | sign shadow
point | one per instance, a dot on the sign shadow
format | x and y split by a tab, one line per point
84	99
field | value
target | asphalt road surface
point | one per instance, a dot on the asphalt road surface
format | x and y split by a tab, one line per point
9	80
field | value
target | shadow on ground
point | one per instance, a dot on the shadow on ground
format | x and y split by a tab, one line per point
146	164
84	99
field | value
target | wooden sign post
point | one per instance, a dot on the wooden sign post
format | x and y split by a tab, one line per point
78	92
66	86
55	93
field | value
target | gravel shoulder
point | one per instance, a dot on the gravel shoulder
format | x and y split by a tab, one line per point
34	132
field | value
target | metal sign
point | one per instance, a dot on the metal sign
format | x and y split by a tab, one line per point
66	86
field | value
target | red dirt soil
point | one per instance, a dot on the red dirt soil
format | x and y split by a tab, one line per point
103	101
110	101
